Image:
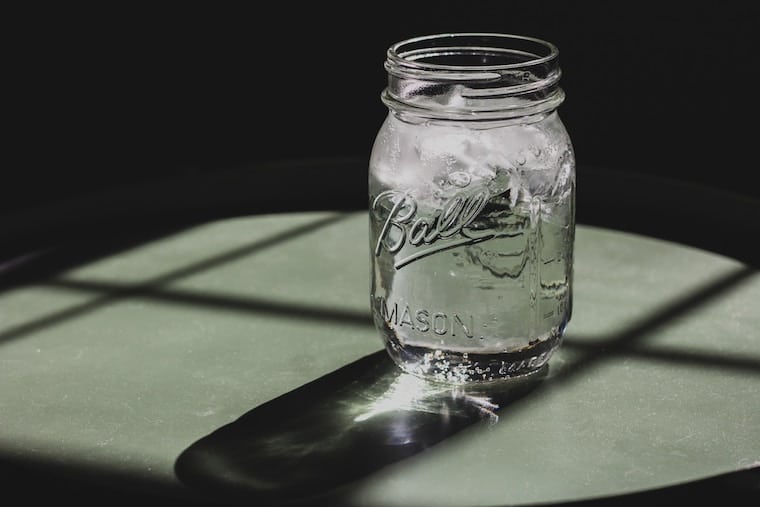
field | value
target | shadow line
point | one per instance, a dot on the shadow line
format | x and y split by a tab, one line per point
719	360
245	250
224	302
637	332
132	290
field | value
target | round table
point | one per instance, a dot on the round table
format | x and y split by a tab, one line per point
235	360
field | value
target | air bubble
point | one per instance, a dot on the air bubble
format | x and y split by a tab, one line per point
460	179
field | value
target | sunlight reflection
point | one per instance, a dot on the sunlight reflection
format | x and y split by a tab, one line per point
413	394
406	392
342	427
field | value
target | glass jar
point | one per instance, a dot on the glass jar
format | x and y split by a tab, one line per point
472	207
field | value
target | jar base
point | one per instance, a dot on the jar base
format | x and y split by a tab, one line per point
456	367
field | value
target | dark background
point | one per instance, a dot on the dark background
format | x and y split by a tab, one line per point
135	116
192	102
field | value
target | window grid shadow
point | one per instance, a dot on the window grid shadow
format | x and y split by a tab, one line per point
624	343
628	341
131	290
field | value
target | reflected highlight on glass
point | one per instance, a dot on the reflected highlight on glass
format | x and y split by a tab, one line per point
338	429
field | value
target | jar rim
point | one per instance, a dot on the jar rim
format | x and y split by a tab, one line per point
410	59
473	76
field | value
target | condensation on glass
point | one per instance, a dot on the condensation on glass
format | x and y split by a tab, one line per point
472	208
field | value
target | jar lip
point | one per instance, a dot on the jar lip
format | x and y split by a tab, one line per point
410	59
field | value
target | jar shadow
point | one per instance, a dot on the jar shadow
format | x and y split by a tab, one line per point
338	429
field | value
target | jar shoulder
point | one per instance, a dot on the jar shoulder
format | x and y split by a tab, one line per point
533	144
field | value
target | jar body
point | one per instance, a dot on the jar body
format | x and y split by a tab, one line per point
472	229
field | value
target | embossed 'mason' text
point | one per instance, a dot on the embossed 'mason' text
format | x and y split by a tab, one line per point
423	320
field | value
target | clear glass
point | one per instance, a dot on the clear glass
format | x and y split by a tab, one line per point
472	208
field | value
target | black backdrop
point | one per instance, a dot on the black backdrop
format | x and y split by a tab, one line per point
206	103
134	94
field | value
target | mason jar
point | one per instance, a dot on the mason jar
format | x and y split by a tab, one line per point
472	207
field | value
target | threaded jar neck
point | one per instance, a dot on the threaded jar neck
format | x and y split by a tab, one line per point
472	76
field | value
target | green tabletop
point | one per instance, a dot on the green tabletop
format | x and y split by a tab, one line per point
237	359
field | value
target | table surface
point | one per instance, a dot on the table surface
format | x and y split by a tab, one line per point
236	359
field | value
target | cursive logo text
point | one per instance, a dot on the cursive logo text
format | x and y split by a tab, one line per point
449	226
